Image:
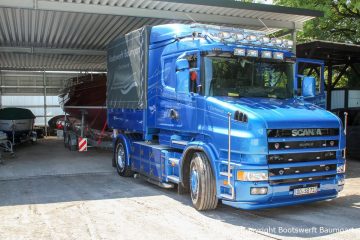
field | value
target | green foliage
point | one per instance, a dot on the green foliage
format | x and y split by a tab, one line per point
341	21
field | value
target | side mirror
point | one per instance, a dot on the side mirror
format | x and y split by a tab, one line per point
308	87
182	75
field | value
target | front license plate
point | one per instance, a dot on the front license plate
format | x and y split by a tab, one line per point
305	191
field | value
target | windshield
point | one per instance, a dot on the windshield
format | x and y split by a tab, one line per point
247	77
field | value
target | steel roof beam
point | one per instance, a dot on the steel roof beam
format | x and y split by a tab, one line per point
61	51
148	13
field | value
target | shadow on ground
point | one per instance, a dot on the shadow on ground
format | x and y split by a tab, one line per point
306	220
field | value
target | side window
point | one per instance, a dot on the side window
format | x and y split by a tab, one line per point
193	72
169	79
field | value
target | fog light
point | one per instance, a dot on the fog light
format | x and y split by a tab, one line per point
341	168
258	190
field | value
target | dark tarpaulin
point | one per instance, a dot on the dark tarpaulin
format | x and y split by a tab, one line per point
15	114
127	70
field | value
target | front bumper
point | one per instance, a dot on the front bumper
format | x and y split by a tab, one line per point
282	195
259	205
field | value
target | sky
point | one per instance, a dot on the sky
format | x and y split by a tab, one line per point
264	1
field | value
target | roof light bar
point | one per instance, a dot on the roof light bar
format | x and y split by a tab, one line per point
241	36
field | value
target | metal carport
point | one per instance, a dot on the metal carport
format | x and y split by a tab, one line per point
335	55
72	35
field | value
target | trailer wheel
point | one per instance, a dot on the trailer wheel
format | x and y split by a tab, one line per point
71	146
66	141
122	166
202	183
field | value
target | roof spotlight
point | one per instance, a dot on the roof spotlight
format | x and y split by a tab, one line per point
265	40
252	38
240	36
224	35
276	41
289	43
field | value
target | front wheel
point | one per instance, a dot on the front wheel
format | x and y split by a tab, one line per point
202	183
121	162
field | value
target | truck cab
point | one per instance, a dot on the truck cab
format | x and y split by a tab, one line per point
223	120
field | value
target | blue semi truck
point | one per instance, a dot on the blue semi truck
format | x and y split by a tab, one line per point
219	113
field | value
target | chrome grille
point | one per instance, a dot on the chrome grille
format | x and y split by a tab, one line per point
302	155
302	144
304	179
300	170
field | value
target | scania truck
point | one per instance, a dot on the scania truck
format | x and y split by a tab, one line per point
220	113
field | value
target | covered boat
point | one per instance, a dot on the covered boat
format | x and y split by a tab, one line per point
17	123
86	95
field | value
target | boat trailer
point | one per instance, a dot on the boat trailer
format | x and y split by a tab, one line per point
95	138
5	146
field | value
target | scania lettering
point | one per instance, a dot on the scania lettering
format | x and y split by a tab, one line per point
306	132
221	114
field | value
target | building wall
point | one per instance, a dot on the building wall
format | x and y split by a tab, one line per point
27	89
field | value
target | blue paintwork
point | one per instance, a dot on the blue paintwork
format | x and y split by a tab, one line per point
203	125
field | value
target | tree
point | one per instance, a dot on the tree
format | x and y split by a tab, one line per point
341	21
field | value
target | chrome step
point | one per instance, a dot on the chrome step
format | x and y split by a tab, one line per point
173	178
160	184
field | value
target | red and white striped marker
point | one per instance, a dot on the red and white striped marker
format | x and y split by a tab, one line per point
82	144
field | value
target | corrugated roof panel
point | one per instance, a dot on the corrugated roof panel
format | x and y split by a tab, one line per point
39	28
51	62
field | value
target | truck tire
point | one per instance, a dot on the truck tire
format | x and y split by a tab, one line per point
122	166
202	183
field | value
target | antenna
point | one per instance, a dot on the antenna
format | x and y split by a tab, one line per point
268	29
190	18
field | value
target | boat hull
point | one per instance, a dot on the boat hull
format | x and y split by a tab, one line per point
87	96
17	130
19	125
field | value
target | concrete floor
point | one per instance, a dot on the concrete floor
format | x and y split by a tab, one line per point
47	192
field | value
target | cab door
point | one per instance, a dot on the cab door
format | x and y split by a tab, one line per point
177	108
187	93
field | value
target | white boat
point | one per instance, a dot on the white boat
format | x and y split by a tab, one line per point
17	123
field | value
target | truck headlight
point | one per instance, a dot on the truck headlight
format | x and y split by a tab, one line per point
341	168
252	175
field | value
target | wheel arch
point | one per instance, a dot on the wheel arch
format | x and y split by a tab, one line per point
186	159
127	146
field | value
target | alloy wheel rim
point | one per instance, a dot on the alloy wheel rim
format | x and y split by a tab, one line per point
121	156
194	183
